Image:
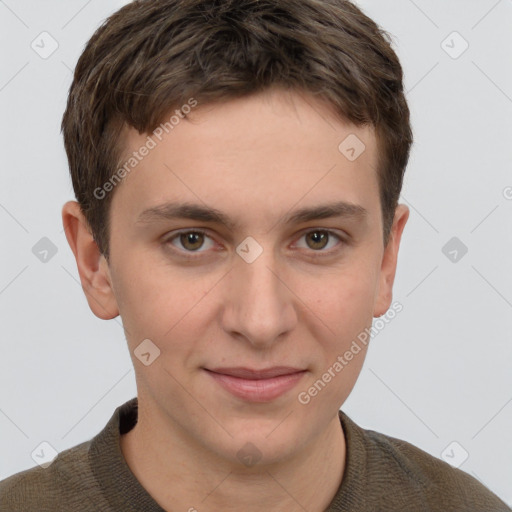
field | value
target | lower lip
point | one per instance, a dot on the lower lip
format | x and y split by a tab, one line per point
262	390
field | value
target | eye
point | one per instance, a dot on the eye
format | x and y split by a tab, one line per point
191	241
320	239
197	241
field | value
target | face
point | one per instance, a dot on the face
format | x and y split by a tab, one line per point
252	293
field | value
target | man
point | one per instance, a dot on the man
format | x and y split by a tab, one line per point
237	167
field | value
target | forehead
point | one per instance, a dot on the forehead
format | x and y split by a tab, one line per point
271	150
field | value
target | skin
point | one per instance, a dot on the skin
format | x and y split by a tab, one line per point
299	304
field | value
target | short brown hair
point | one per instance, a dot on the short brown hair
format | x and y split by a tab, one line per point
152	56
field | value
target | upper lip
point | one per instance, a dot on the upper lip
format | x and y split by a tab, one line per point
249	373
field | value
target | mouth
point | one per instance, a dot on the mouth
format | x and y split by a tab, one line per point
257	385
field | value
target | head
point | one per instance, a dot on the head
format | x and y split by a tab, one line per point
237	167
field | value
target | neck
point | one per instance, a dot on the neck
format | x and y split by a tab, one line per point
181	474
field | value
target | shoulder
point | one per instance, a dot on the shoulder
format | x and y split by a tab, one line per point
66	481
405	473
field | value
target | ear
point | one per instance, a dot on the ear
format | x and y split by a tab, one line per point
389	261
92	265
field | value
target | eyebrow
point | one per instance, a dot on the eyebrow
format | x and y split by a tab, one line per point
199	212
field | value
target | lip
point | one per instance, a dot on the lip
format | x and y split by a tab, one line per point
253	385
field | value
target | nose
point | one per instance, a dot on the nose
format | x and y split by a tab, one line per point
259	305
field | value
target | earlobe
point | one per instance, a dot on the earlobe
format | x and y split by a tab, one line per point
389	262
91	264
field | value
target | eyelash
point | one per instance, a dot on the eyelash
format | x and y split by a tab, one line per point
192	255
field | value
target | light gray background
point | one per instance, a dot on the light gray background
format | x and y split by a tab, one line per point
440	372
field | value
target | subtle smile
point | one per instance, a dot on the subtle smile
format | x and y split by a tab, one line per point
257	385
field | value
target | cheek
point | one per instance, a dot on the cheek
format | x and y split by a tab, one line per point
155	301
345	307
344	300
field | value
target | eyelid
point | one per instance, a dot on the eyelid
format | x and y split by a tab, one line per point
332	233
205	232
176	234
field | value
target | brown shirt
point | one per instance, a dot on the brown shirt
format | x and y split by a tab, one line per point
382	474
